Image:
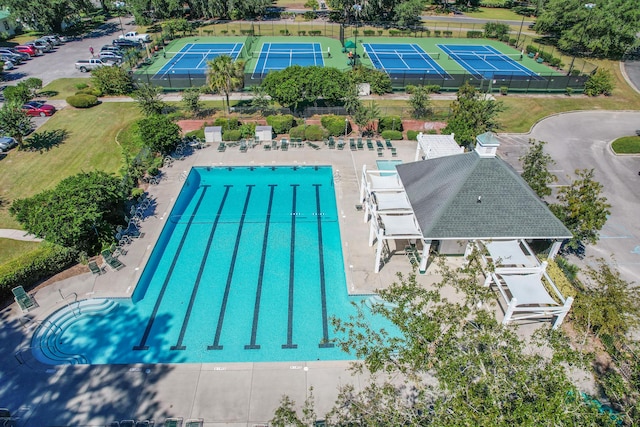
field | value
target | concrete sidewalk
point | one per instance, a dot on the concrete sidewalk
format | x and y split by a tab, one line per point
8	233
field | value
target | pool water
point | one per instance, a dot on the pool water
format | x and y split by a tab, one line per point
248	267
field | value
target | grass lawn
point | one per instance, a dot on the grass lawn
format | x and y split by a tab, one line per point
89	145
627	145
62	88
10	249
497	14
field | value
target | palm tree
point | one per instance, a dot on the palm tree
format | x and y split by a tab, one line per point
225	75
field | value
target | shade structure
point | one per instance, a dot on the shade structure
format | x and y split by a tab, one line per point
349	44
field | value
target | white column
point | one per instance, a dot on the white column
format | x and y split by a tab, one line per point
363	184
425	256
378	253
554	249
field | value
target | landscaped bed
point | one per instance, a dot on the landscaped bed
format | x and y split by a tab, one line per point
626	145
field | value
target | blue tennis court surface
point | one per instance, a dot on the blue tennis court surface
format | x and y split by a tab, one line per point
403	58
487	62
278	56
193	57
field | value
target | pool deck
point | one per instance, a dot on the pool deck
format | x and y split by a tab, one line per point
225	394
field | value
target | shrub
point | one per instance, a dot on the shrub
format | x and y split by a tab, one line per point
531	49
504	90
82	100
474	34
394	33
512	42
437	33
369	32
555	62
390	123
227	124
334	125
432	88
89	91
297	132
314	133
447	33
568	91
30	268
247	130
112	80
412	135
281	123
395	135
81	86
302	32
232	135
309	15
284	32
600	82
198	133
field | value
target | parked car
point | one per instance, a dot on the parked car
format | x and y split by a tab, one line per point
136	37
112	56
8	65
37	108
40	44
111	48
19	56
30	50
11	57
85	65
53	39
7	143
125	44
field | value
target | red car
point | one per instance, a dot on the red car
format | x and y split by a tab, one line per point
36	108
31	50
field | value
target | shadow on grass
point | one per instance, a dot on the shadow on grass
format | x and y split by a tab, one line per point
45	140
48	93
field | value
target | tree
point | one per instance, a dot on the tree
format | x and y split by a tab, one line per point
419	101
191	100
535	164
451	363
112	80
34	84
46	15
18	94
598	83
158	133
261	101
149	100
606	30
471	115
364	116
582	208
225	75
408	13
81	212
351	100
15	122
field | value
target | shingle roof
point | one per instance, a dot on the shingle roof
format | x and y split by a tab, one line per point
465	196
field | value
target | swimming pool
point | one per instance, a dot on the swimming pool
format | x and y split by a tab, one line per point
248	267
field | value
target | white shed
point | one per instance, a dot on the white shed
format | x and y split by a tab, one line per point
263	133
213	134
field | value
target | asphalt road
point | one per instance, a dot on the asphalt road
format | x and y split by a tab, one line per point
581	140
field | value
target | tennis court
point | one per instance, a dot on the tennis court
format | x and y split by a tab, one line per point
278	56
193	57
403	58
484	61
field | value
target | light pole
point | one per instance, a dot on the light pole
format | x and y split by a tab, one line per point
589	6
346	126
519	32
356	11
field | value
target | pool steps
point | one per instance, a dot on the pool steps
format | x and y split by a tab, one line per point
46	337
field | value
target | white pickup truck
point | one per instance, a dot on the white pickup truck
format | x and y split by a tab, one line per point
85	65
136	37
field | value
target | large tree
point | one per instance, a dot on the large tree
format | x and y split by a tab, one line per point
15	122
81	212
409	13
159	133
608	29
224	75
582	208
472	113
449	362
149	98
46	15
535	165
419	101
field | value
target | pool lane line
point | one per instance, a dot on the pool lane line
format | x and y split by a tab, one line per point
203	263
216	341
142	345
290	344
256	308
323	288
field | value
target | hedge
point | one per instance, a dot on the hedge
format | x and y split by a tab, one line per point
297	132
412	135
475	34
314	133
335	125
30	268
90	91
82	100
231	135
395	135
281	123
227	124
390	123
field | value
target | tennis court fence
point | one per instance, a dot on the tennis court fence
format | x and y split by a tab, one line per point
542	83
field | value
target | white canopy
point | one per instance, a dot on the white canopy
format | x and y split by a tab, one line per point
394	227
509	253
528	289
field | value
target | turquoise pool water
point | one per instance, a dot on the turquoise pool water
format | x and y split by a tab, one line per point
248	267
387	165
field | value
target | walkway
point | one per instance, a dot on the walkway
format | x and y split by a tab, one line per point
8	233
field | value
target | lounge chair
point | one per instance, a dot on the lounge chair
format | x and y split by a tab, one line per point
95	268
380	152
144	423
340	144
359	143
284	145
267	147
379	144
369	145
352	144
222	147
388	144
199	422
24	300
243	146
112	262
173	422
394	153
332	143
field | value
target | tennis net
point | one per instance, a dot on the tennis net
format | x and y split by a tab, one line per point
403	55
287	53
487	57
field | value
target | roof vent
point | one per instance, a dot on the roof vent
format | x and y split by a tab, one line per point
479	199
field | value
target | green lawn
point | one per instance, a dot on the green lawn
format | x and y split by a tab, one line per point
62	88
497	14
627	145
89	145
10	249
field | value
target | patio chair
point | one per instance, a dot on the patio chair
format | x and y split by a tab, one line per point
332	143
388	144
340	144
359	144
274	144
111	261
95	268
284	145
369	145
222	147
352	144
24	300
173	422
243	146
267	147
379	144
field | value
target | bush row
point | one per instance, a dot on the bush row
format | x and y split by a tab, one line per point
28	269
